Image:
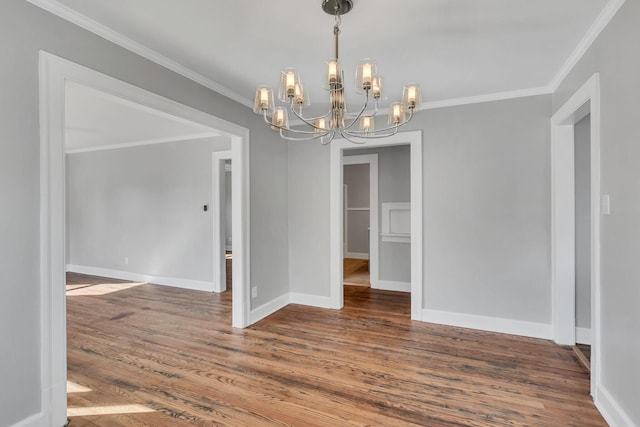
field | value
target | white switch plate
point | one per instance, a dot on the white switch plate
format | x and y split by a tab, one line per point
254	292
605	206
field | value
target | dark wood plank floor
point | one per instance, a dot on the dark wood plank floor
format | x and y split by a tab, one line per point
172	352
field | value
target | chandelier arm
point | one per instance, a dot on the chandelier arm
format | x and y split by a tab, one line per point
299	131
375	134
348	137
312	135
307	121
355	119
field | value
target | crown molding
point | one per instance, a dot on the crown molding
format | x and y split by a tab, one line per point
489	97
601	22
107	33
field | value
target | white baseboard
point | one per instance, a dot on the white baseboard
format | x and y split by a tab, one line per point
356	255
493	324
195	285
612	412
268	308
312	300
390	285
228	248
36	420
583	336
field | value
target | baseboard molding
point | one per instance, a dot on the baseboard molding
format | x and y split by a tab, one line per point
36	420
485	323
228	248
611	410
268	308
390	285
356	255
312	300
583	336
195	285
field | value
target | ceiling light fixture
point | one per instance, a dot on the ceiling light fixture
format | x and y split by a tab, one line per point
337	122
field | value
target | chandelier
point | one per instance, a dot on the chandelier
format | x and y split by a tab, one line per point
336	122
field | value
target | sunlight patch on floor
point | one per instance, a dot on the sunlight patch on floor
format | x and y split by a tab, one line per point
76	388
101	289
107	410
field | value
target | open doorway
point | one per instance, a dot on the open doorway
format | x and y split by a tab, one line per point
570	178
360	219
55	73
409	214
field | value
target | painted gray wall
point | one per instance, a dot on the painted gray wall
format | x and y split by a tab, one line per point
486	210
615	55
24	30
356	178
583	221
144	203
394	185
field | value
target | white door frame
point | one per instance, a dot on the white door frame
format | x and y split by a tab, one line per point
414	140
219	212
585	100
374	254
54	72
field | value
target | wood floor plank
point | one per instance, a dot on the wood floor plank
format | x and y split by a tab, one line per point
173	351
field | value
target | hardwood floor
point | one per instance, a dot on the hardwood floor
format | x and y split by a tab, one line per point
356	272
172	352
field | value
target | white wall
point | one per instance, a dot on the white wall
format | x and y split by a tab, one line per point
615	55
146	204
583	221
486	210
228	191
24	30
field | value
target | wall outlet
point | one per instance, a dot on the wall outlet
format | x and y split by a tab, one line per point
254	292
126	260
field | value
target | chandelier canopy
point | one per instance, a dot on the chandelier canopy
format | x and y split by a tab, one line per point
336	122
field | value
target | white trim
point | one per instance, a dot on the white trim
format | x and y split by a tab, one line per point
485	323
583	335
218	211
107	33
374	244
414	140
311	300
54	72
489	97
395	238
178	138
612	412
356	255
269	308
36	420
562	221
391	285
603	19
176	282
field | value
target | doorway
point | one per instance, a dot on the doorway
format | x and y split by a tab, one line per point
337	151
585	102
54	73
360	219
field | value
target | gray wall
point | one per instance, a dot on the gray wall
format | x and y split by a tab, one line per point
486	210
616	57
24	30
583	221
394	185
144	203
356	178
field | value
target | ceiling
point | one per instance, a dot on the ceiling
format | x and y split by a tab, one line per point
95	120
455	49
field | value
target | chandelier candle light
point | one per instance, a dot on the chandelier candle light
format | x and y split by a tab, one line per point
337	122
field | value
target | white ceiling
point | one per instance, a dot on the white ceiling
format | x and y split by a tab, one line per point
453	48
96	120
